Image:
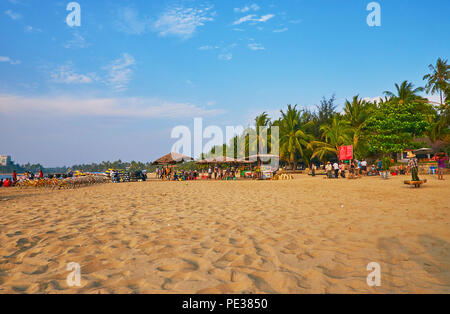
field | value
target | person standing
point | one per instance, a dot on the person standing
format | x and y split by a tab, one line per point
329	169
41	174
441	166
14	174
342	168
336	170
413	166
364	167
313	170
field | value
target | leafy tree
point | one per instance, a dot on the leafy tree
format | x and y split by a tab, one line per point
393	126
356	113
406	93
293	135
437	80
336	134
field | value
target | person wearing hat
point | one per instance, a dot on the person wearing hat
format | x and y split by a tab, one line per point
413	166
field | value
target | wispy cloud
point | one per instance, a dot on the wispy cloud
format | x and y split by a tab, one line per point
120	72
256	46
66	75
105	107
77	41
225	56
253	7
183	22
31	29
265	18
253	18
208	47
281	30
130	22
9	60
13	15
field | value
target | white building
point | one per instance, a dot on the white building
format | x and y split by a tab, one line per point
5	160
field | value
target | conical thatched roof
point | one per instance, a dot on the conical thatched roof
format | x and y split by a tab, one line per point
171	159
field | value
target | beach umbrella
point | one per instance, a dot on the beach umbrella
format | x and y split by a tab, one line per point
172	159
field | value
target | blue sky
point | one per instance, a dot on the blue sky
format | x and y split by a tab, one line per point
116	86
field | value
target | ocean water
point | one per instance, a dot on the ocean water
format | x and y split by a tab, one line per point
3	176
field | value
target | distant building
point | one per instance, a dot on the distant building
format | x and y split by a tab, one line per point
5	160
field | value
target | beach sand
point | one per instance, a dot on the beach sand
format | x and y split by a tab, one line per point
309	235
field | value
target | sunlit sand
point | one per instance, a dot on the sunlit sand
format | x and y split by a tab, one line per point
308	235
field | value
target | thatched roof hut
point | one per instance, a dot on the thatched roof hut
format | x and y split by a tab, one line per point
172	159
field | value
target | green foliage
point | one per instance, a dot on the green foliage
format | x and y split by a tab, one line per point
393	125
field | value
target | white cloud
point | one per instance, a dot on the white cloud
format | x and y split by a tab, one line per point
281	30
13	15
9	60
66	75
265	18
245	9
244	19
129	22
255	46
31	29
251	18
183	22
208	47
105	107
119	72
225	56
78	41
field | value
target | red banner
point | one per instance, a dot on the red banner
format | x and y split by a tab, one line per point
346	152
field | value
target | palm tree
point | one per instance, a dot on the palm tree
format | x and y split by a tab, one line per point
356	113
438	79
262	120
335	135
406	93
293	135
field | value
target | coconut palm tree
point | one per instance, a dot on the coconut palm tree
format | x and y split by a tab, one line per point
293	135
262	120
406	93
356	113
438	79
336	134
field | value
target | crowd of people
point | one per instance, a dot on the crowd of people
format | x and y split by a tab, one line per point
350	169
210	173
356	168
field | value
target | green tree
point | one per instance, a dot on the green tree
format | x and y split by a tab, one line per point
356	113
405	93
336	134
393	126
293	135
437	80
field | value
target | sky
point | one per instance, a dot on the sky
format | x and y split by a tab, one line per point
116	86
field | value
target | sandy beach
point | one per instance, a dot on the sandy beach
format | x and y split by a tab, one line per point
308	235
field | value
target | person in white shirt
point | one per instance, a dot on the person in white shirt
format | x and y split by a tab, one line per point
364	167
336	170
